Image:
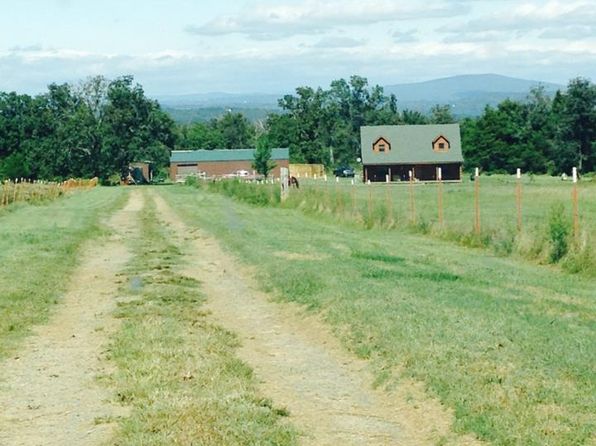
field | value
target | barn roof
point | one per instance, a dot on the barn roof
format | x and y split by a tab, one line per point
194	156
411	144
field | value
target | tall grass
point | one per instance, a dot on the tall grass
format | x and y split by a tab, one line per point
38	191
545	240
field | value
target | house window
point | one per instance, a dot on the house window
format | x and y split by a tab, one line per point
441	144
381	145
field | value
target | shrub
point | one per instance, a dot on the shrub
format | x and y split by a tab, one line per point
191	181
112	180
559	229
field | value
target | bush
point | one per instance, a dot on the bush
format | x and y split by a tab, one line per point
112	180
559	229
191	181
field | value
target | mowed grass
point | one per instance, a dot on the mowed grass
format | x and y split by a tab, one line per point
506	344
176	370
39	248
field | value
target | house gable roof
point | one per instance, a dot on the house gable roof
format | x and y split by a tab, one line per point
411	144
379	142
439	138
197	156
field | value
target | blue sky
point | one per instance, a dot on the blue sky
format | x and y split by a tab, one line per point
185	46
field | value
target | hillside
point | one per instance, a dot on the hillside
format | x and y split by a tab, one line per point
469	94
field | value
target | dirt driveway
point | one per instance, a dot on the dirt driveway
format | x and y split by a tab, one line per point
49	394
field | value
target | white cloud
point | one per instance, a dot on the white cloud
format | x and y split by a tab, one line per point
338	42
408	36
273	20
274	47
532	16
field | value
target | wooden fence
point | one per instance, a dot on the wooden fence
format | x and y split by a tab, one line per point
24	190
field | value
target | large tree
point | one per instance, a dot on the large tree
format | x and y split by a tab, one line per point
575	112
95	129
323	126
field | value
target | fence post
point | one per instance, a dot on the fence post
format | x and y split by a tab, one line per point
440	194
412	202
15	185
575	207
477	200
388	197
353	194
518	200
284	184
369	202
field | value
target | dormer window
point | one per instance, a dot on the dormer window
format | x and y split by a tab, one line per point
441	144
381	145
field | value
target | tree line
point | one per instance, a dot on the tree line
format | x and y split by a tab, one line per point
539	135
98	127
542	134
94	129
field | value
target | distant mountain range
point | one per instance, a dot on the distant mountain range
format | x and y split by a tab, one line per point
467	94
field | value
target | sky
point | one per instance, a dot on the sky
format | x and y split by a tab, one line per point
190	46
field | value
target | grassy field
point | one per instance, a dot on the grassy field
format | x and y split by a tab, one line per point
176	370
547	218
497	199
38	251
508	345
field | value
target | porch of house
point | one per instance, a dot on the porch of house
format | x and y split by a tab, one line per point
420	172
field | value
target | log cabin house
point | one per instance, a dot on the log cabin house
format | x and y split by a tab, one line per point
395	150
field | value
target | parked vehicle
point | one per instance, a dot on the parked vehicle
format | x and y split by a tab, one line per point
344	171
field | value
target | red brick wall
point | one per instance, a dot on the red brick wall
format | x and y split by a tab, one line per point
219	168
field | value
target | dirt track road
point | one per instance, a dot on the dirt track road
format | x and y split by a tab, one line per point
301	365
48	392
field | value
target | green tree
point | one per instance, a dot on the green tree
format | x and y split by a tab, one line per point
202	135
576	115
413	117
236	131
134	128
262	159
94	129
441	114
323	126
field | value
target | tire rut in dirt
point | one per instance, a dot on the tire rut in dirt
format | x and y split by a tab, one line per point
48	392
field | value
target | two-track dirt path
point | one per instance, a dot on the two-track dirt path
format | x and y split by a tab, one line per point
48	392
300	364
